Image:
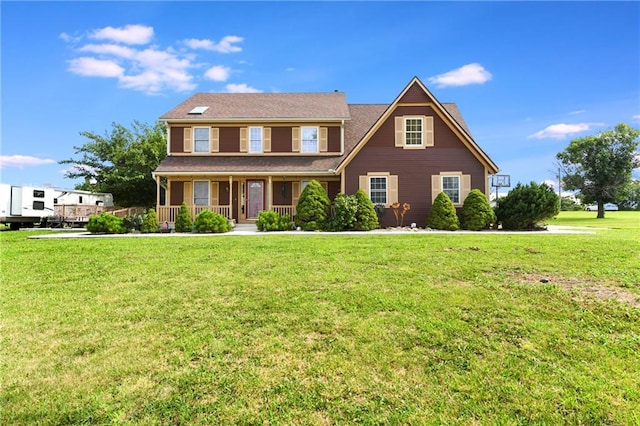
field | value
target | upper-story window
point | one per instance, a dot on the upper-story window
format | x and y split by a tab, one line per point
413	131
309	136
255	139
201	139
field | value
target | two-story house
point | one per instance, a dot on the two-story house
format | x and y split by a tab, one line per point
240	153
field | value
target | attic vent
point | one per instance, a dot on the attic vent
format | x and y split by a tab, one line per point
199	110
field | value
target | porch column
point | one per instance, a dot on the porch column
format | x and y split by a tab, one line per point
270	192
230	197
157	193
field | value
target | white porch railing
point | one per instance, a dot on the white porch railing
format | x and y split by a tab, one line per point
282	210
169	213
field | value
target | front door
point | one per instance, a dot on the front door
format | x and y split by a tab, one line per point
255	198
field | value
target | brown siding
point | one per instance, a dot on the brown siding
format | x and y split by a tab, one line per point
415	94
333	189
177	193
414	167
281	193
333	139
177	139
223	193
281	139
229	139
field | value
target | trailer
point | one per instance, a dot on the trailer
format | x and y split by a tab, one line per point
73	207
25	206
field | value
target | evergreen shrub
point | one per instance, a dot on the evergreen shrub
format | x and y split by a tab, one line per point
312	211
150	222
443	214
208	221
525	206
476	212
106	223
183	219
366	216
272	221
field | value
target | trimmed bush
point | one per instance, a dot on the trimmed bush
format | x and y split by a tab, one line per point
366	216
345	209
476	212
312	211
525	206
106	223
150	222
132	222
272	221
443	214
208	221
183	220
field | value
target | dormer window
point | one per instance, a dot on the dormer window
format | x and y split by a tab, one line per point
309	139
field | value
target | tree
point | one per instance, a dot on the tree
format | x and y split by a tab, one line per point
600	166
312	211
527	205
629	197
121	162
443	214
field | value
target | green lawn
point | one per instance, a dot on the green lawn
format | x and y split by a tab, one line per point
424	328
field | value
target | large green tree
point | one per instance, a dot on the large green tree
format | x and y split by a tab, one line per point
600	166
121	162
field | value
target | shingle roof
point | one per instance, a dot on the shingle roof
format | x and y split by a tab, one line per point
261	106
363	117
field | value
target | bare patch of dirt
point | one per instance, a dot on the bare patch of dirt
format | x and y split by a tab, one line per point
584	288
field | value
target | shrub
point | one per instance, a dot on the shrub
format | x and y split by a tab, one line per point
183	220
345	209
527	205
443	214
132	222
312	211
476	212
106	223
150	222
366	216
208	221
272	221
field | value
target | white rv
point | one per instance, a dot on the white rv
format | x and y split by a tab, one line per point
24	206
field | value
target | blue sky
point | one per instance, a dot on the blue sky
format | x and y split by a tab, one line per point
527	76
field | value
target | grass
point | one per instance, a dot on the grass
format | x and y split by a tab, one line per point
615	220
368	329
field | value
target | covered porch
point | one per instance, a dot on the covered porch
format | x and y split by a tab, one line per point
236	197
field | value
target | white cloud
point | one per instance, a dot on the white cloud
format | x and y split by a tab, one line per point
129	34
109	49
226	45
580	111
241	88
92	67
218	73
562	130
636	117
20	161
463	76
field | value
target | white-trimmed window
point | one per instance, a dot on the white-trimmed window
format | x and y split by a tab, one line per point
200	139
309	139
378	189
451	187
413	127
255	139
201	192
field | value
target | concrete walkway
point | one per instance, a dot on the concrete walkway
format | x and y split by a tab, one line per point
251	229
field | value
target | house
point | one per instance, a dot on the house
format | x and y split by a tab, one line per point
240	153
